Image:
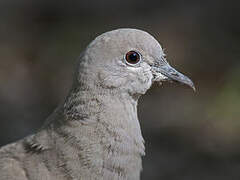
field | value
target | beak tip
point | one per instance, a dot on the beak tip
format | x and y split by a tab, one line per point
190	84
193	87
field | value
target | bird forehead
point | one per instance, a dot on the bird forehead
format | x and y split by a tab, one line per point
126	39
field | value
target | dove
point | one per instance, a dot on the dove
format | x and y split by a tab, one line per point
95	133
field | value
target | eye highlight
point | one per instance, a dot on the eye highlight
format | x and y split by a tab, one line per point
132	58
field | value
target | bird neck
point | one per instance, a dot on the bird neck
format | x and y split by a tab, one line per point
103	128
111	108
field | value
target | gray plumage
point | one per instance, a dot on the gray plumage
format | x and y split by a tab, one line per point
95	133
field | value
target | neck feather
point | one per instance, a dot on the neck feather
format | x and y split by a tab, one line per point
113	109
100	122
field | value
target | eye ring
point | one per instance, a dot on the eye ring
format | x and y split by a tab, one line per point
132	58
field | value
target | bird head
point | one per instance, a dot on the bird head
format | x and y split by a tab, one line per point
129	60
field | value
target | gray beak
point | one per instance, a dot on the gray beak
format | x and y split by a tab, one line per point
172	75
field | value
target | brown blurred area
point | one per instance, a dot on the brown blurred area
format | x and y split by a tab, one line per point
188	135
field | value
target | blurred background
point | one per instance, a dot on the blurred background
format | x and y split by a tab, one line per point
188	135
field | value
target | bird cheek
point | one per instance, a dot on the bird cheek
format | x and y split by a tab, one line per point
107	80
146	73
145	79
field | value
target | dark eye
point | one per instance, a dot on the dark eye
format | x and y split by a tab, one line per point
133	57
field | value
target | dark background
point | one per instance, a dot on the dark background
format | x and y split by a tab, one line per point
188	135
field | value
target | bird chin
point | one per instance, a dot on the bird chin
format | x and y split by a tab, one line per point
159	77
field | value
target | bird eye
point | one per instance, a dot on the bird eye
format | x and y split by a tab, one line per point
132	57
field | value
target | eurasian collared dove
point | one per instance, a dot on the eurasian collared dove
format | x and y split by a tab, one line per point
95	133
